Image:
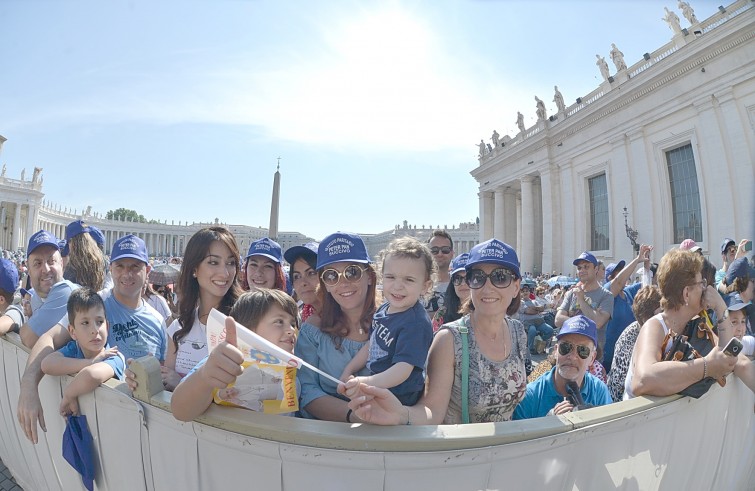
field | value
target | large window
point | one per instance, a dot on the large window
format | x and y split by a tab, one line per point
598	213
685	194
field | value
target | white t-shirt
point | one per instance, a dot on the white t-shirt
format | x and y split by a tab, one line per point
192	348
158	303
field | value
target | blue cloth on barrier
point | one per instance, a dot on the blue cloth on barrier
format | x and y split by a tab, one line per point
78	449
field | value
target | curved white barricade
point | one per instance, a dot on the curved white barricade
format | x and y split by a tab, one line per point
648	443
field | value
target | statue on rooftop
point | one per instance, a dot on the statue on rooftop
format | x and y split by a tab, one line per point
688	12
673	21
520	121
483	148
558	98
35	176
495	139
603	66
540	109
3	173
618	58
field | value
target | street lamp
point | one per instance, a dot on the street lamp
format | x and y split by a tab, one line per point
631	233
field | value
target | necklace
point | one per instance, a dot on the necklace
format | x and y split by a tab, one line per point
494	339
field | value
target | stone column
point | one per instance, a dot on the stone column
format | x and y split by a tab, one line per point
486	216
526	253
16	241
518	242
499	221
511	217
549	232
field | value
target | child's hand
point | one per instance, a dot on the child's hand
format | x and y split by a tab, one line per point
224	363
69	406
170	377
105	355
345	376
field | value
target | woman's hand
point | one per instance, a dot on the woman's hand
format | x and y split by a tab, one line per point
718	363
171	378
374	404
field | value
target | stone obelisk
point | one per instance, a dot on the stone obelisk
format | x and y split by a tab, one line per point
273	231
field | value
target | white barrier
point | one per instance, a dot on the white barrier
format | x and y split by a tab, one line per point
670	443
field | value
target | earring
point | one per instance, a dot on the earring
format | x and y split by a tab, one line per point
194	275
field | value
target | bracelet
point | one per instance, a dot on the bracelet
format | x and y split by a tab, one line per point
408	416
348	415
705	369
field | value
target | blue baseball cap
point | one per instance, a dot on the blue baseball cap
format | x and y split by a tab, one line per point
726	243
8	276
614	267
579	324
76	228
97	235
129	246
295	252
266	247
734	302
458	263
41	238
342	246
495	252
63	246
739	268
586	256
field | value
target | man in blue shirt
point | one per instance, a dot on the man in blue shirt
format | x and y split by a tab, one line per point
51	290
549	395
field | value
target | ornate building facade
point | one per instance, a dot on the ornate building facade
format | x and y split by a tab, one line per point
666	145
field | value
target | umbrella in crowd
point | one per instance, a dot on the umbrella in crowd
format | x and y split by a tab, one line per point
562	280
164	274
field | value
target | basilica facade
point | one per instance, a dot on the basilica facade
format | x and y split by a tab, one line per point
663	150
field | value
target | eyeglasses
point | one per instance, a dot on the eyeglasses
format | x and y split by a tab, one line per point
500	278
565	347
352	274
701	282
437	250
458	279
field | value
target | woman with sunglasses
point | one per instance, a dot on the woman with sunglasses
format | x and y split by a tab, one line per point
207	281
684	295
497	350
347	296
264	266
303	276
456	294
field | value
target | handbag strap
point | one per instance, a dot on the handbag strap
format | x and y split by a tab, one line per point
464	331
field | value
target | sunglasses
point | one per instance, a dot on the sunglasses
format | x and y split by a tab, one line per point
500	278
458	279
565	347
437	250
352	274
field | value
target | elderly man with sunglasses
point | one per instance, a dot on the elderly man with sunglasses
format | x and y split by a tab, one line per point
568	384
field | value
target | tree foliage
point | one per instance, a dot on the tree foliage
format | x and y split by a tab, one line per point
126	215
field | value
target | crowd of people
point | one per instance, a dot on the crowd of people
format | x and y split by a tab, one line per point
420	336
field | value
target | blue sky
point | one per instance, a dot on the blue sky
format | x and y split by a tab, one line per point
179	110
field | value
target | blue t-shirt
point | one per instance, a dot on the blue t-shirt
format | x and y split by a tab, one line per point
53	308
318	349
136	332
401	337
621	318
116	362
541	395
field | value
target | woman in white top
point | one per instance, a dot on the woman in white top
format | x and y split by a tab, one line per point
208	280
684	294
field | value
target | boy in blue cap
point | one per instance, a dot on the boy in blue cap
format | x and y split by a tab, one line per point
11	316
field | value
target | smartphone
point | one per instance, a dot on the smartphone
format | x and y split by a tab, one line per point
733	347
748	246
